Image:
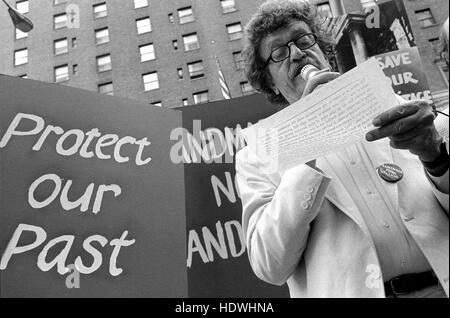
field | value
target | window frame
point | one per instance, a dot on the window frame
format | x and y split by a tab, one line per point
185	36
98	58
185	18
97	38
149	25
149	82
100	14
57	41
110	93
198	94
228	9
63	25
60	67
142	55
196	73
233	36
17	58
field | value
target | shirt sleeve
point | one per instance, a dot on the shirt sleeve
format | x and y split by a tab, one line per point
276	218
440	188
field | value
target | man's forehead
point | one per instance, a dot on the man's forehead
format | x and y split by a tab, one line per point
283	34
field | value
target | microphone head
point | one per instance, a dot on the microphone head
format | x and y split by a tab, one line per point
308	71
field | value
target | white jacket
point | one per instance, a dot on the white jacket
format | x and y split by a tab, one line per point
321	246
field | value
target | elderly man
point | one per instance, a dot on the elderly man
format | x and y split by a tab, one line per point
339	226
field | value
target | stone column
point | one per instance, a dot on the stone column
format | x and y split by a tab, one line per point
337	7
358	45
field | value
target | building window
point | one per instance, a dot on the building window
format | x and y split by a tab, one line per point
246	88
228	6
61	73
185	15
425	18
60	46
435	44
158	104
234	31
190	42
196	69
175	44
106	88
140	4
59	21
185	102
56	2
104	63
368	4
100	10
102	36
23	6
324	9
20	35
150	81
238	60
75	69
147	52
171	19
143	25
20	57
200	97
180	73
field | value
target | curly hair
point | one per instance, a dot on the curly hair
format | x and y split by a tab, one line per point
272	15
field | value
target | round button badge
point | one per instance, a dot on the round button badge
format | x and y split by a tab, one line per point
390	172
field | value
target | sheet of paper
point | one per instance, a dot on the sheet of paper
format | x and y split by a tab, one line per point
334	116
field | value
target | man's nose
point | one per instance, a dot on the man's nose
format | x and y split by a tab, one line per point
296	53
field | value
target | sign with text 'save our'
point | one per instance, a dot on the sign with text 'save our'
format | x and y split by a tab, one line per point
90	203
405	71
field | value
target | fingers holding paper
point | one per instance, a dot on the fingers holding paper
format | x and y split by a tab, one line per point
409	126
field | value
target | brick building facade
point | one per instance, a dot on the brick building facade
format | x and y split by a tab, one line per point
172	62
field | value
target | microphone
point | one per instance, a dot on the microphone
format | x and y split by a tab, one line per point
308	71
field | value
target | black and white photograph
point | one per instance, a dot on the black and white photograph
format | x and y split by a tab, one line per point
224	155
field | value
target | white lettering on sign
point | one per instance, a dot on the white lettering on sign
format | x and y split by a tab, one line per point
392	61
208	146
61	259
76	141
219	244
228	190
82	202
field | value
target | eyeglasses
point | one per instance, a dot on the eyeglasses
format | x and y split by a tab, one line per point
283	52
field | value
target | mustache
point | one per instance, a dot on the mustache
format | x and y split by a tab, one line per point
296	68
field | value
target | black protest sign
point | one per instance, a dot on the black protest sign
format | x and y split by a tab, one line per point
217	260
405	71
91	205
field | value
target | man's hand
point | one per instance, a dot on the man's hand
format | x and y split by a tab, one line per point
409	126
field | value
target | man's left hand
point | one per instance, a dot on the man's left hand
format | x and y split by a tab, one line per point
409	126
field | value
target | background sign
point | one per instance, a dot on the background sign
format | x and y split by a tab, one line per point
404	69
92	184
218	264
77	179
